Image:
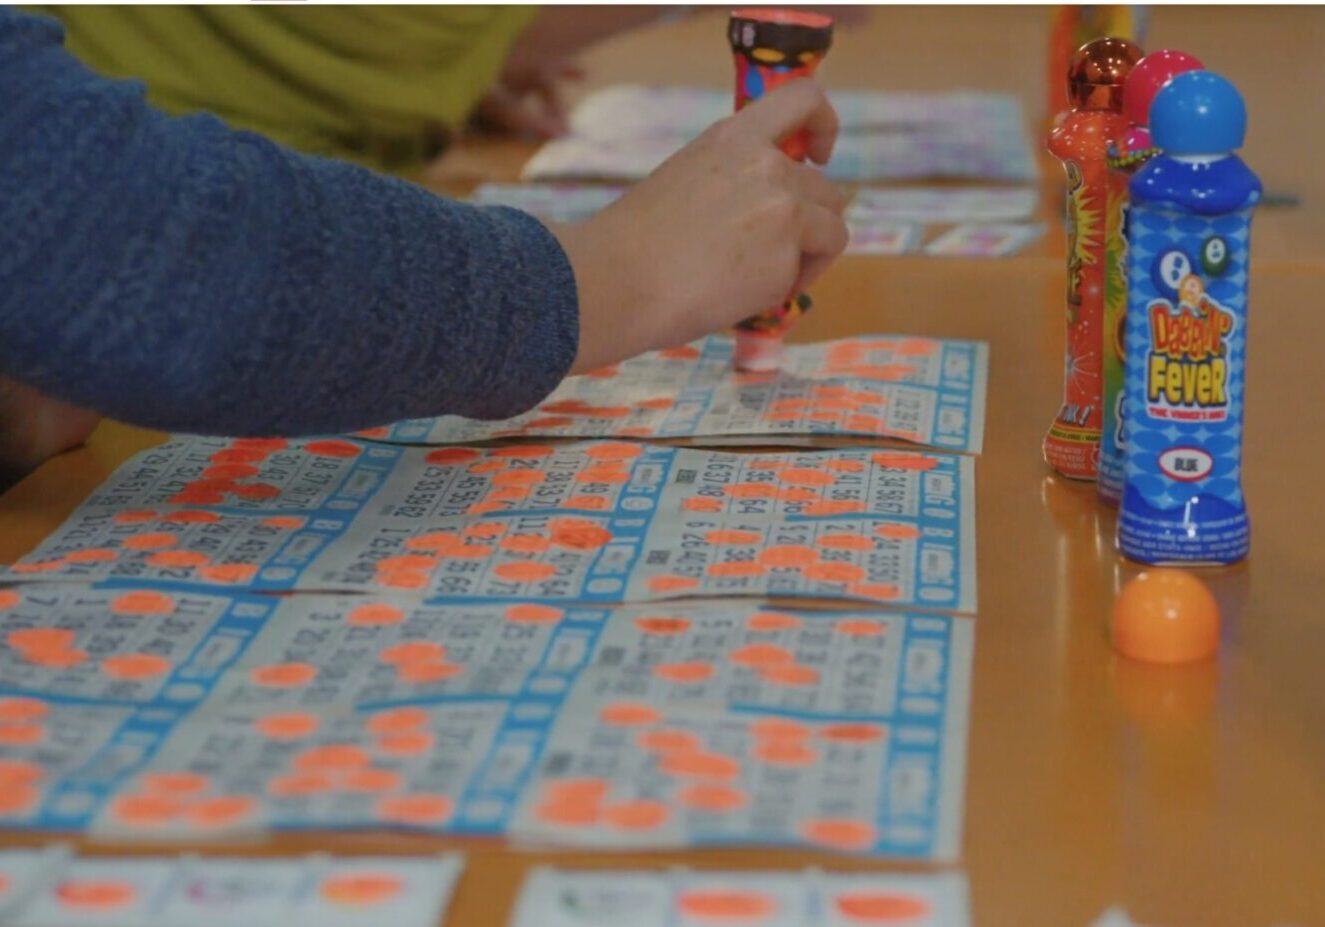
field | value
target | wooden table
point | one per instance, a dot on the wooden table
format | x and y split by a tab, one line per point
1192	795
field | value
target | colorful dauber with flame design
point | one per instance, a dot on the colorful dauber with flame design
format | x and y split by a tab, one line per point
1081	141
772	47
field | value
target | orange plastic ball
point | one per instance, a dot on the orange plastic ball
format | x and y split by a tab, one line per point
1166	616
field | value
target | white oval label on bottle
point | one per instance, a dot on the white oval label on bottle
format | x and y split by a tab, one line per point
1186	464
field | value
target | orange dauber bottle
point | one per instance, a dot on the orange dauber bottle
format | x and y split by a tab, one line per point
770	48
1081	141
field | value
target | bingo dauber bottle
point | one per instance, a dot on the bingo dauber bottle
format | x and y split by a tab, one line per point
1189	228
1081	141
1127	154
772	47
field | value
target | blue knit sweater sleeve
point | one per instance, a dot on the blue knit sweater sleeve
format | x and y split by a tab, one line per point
176	274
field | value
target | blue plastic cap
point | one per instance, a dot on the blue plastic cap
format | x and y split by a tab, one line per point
1198	113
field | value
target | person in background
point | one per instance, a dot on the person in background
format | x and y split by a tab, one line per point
176	273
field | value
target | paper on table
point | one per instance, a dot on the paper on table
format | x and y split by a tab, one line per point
686	898
943	205
601	521
984	240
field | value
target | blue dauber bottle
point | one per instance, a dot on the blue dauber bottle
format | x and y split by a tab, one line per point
1188	252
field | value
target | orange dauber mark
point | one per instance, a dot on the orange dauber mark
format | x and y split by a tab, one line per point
885	372
692	671
860	627
578	533
152	540
452	455
134	517
779	729
700	764
95	894
706	796
882	592
523	451
739	568
610	473
174	783
834	572
343	449
732	536
283	675
772	621
788	674
852	732
845	465
40	638
428	671
142	603
300	785
54	658
45	566
662	625
469	552
673	583
256	491
14	773
634	431
177	558
629	714
244	455
91	555
284	522
18	708
517	478
588	502
726	906
916	347
785	753
402	579
806	476
824	415
331	757
898	532
229	573
640	814
751	491
900	460
613	450
788	555
416	743
840	833
509	494
881	907
844	542
549	421
18	798
789	405
375	614
294	725
702	504
669	740
416	651
407	562
797	494
531	613
436	541
417	809
484	467
135	666
372	780
835	507
524	571
361	889
266	445
397	721
760	655
656	405
221	811
145	810
381	431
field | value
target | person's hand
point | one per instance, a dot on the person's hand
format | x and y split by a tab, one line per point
34	427
527	99
725	228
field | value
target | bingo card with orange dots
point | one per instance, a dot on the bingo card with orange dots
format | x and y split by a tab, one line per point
927	391
602	521
689	898
312	891
650	725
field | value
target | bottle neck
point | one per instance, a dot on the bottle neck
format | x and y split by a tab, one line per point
1201	158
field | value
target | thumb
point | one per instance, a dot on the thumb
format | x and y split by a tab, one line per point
797	105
